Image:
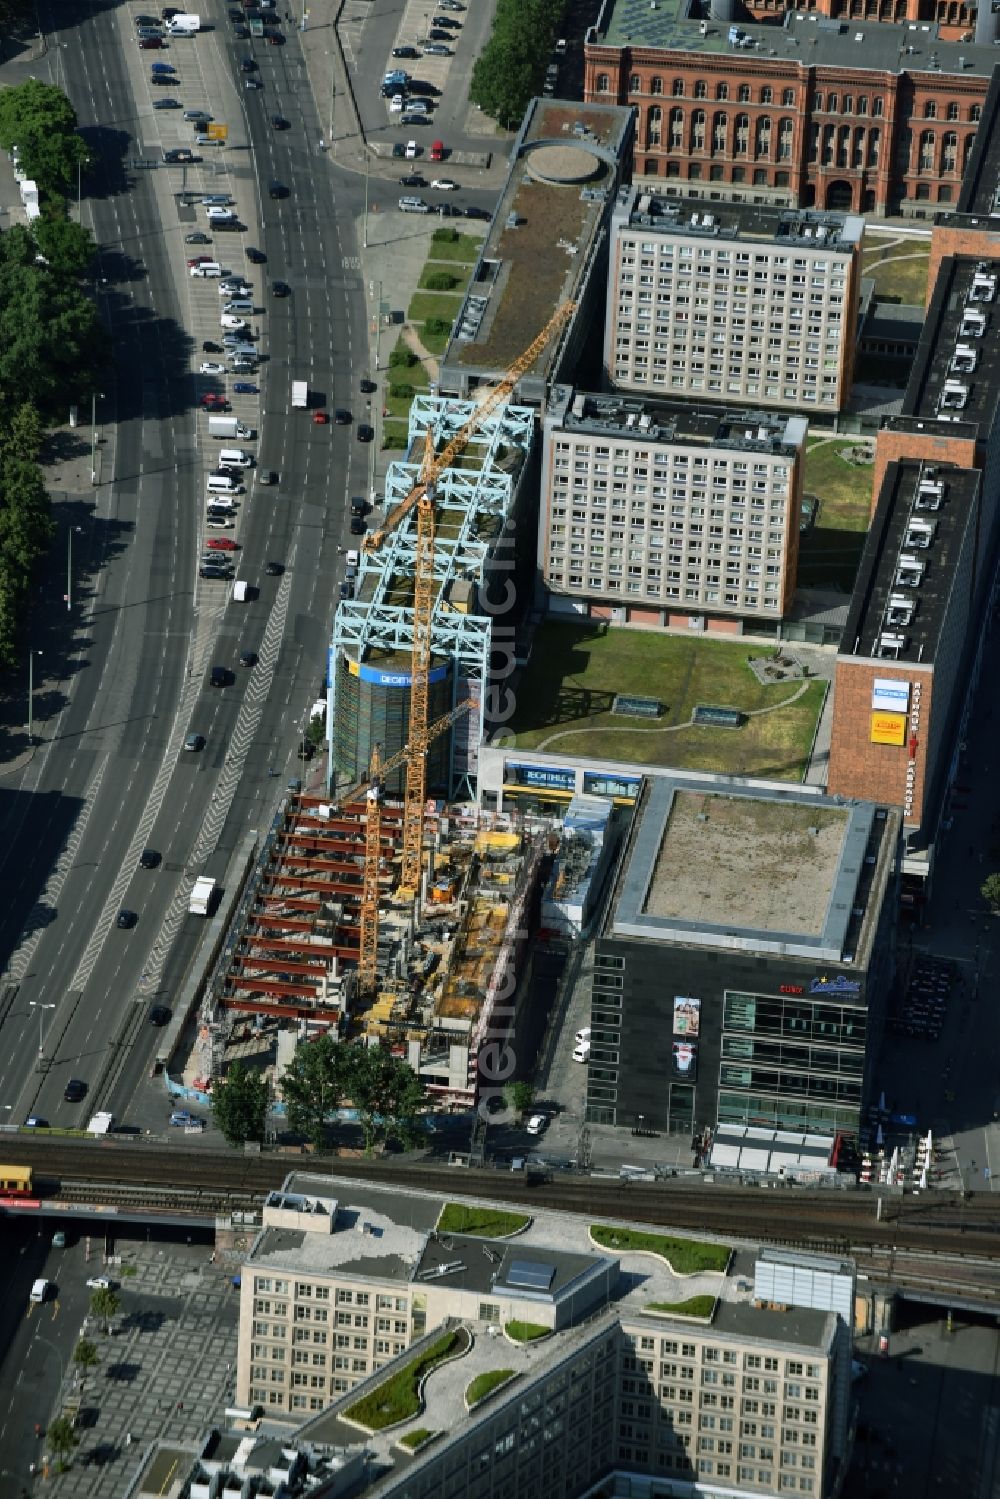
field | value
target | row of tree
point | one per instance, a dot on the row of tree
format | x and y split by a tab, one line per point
52	344
510	70
325	1075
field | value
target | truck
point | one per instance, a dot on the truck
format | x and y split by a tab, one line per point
228	427
300	394
202	895
101	1123
243	592
183	25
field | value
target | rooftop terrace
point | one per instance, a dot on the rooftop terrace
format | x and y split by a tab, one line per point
706	219
956	371
675	421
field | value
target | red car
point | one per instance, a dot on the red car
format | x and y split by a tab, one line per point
214	402
150	43
221	544
320	418
200	260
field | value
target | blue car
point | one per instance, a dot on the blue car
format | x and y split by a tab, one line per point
162	67
244	388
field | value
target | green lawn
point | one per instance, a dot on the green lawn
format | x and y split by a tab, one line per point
491	1223
395	436
685	1256
526	1332
398	1398
898	270
830	550
434	343
695	1306
417	1438
425	304
576	669
465	248
485	1384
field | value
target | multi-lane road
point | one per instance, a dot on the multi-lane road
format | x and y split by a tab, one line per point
110	775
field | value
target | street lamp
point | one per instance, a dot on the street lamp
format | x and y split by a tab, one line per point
365	234
93	434
36	1004
31	693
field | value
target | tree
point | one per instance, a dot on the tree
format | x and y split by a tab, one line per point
314	1085
518	1096
387	1094
240	1103
85	1354
67	246
23	437
61	1438
39	119
511	67
104	1304
990	891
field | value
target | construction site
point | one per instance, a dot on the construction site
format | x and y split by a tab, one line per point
374	912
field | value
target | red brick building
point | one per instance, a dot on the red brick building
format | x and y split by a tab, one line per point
847	112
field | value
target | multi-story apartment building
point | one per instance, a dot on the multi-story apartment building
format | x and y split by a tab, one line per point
595	1387
732	303
867	110
666	514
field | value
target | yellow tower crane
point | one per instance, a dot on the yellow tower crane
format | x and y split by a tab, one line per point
422	496
374	790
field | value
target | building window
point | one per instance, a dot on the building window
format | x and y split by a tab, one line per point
831	103
650	167
700	90
743	93
722	90
974	112
785	129
603	86
953	110
694	172
781	179
698	130
930	110
848	104
944	195
877	107
923	192
926	158
635	83
719	126
759	177
656	85
788	97
766	95
862	104
654	120
677	88
676	129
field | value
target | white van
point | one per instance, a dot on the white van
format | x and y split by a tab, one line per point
242	305
223	484
221	216
40	1291
234	322
234	458
209	268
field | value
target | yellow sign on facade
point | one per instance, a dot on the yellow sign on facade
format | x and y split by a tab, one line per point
888	728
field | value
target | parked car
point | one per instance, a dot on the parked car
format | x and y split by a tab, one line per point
365	433
159	1015
200	117
405	52
413	179
197	237
581	1053
166	104
445	185
438	49
412	150
536	1124
221	544
101	1283
358	527
211	367
212	401
366	387
245	388
255	257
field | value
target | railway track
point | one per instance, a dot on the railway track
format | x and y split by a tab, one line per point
941	1223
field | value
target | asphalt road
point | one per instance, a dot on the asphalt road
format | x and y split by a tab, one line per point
111	776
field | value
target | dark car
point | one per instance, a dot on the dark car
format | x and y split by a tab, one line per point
35	1121
275	39
219	677
358	527
208	347
248	65
252	83
150	43
194	742
472	212
149	859
212	401
438	49
200	117
305	750
179	154
274	569
359	506
162	67
365	433
241	32
248	658
447	21
170	10
341	417
435	35
398	149
159	1015
141	21
405	52
197	238
126	919
367	387
255	257
345	590
75	1090
280	289
278	122
215	572
267	476
450	210
166	104
277	189
412	179
164	80
245	388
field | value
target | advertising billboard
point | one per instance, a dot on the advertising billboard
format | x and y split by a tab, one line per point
888	728
889	695
687	1016
684	1061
